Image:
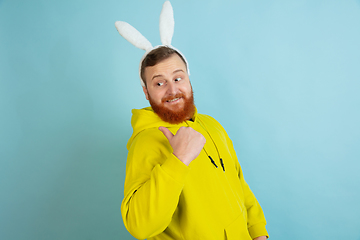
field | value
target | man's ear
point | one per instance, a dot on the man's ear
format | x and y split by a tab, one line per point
146	93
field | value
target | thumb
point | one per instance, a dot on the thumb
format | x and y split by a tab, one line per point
166	132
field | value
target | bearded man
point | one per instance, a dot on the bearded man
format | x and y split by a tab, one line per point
183	179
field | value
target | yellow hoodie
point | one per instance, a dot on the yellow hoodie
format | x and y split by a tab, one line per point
165	199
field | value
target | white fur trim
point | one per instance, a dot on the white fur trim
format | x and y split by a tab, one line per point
166	23
132	35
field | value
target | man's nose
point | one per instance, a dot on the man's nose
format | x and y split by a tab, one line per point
172	89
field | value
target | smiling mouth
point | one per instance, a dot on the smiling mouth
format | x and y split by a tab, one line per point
173	100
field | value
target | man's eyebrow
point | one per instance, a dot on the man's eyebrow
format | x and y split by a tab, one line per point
159	75
178	70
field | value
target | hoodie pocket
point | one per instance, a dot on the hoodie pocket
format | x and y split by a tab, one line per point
237	230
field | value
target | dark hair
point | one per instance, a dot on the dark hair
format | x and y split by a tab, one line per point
155	56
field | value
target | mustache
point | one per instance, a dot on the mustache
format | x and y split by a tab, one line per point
168	98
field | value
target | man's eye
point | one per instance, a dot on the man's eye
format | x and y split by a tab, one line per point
159	84
177	79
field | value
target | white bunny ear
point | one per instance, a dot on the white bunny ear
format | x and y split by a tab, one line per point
132	35
166	23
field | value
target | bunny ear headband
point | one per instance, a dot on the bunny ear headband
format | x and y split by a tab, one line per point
138	40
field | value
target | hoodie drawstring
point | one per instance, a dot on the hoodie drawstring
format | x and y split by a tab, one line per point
217	150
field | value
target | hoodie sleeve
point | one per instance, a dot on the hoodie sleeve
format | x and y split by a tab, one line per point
153	184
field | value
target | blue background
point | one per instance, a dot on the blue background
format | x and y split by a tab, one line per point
283	77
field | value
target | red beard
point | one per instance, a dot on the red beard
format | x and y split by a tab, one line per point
175	116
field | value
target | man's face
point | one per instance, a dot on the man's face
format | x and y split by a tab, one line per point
169	90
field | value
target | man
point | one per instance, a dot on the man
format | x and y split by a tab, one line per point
183	179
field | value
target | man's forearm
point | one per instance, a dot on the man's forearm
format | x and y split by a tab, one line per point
147	209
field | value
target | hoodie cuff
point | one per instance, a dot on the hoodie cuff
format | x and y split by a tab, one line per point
258	230
176	169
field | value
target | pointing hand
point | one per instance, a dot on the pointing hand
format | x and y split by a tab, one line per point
186	143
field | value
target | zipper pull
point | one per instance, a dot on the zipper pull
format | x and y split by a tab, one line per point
212	161
222	164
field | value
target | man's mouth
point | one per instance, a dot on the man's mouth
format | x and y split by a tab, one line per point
173	100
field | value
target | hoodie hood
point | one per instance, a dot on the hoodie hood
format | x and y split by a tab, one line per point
146	118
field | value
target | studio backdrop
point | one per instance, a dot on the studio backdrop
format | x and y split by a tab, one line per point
282	77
